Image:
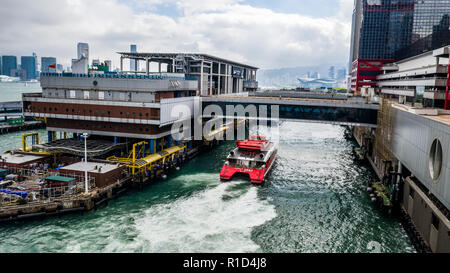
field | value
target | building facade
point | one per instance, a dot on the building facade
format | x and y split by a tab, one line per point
28	63
9	63
384	31
48	65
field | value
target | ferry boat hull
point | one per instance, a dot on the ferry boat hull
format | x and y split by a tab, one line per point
255	175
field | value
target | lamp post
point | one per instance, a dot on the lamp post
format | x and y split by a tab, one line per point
86	182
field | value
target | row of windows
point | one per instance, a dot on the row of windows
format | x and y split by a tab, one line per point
104	127
90	111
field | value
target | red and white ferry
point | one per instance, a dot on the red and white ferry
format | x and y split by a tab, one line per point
253	158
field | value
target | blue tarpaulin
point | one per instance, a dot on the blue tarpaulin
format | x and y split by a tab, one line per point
22	194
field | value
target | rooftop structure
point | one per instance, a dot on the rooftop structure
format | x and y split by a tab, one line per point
215	75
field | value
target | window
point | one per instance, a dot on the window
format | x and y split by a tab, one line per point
86	95
435	159
73	94
101	95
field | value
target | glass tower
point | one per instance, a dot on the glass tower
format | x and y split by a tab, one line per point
9	63
398	29
48	64
28	63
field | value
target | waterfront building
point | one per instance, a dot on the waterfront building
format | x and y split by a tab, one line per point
48	65
126	108
28	63
384	31
9	63
214	75
19	73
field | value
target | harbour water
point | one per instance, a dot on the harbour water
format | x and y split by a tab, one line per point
314	201
13	91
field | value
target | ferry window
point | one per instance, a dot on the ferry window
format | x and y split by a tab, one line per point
45	108
109	113
72	94
140	114
50	109
73	110
86	95
67	110
121	113
101	95
56	109
146	114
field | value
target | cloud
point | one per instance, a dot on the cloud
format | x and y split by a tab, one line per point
228	28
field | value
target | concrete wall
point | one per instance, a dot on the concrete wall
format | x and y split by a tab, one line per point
422	211
412	138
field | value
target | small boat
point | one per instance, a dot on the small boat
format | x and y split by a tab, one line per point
252	159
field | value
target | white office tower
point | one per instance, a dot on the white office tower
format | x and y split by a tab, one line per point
81	65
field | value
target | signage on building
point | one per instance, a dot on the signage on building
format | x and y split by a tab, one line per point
238	72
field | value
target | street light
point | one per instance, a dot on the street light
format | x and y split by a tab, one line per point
86	183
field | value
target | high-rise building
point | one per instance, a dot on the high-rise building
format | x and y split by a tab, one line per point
390	30
332	72
133	65
48	65
28	63
1	71
81	65
341	74
9	63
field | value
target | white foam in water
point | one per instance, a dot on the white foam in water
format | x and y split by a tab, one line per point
204	222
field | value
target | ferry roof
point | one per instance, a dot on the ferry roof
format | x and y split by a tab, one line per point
165	56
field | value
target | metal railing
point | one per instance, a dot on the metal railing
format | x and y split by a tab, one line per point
41	194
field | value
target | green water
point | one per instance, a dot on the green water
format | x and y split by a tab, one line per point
313	201
13	91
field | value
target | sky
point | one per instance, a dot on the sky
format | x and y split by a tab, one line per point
265	33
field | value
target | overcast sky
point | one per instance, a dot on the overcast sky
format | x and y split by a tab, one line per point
264	33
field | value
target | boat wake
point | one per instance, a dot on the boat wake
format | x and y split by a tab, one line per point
205	222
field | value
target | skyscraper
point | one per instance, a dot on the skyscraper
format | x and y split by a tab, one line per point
9	63
133	65
81	64
332	72
48	65
28	63
388	30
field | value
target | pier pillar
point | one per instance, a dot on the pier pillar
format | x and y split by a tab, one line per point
169	141
152	146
